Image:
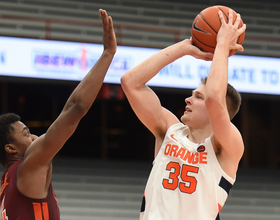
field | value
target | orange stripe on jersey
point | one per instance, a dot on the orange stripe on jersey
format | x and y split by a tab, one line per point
46	211
38	211
3	210
3	186
220	207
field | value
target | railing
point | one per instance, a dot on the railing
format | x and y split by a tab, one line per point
251	38
119	27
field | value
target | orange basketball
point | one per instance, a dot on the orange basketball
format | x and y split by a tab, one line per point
206	25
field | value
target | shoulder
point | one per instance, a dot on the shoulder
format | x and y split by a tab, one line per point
177	127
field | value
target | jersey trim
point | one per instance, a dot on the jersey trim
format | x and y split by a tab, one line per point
224	184
143	205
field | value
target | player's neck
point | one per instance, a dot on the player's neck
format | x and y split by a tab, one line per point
9	162
198	135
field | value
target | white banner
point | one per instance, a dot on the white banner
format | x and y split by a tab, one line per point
71	61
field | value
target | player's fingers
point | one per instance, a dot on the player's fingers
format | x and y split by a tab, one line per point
230	16
221	16
105	20
243	28
237	21
110	22
103	15
102	12
240	47
206	55
209	56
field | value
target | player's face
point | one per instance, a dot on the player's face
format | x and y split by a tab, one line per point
22	137
196	114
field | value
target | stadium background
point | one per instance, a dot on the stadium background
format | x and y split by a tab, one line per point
110	130
101	172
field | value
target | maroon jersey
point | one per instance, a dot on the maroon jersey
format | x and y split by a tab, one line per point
16	206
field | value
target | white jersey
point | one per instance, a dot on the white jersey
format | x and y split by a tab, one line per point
186	181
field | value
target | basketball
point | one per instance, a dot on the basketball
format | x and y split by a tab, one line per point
206	25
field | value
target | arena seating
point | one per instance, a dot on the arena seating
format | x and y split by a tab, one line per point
107	190
113	190
138	23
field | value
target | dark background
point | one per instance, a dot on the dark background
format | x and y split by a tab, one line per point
111	131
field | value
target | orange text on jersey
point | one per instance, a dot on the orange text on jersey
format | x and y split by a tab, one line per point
174	150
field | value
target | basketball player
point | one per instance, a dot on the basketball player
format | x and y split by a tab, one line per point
196	160
26	188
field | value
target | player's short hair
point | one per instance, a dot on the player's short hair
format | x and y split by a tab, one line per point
5	132
233	99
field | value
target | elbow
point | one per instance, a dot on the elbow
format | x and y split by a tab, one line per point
124	80
82	110
131	81
78	109
127	81
83	107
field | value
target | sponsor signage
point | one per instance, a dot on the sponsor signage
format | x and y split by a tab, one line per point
59	60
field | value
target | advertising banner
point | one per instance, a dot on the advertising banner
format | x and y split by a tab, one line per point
59	60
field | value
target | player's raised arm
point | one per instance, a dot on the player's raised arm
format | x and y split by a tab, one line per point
142	99
227	138
43	149
26	189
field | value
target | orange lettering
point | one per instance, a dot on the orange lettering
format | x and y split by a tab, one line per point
189	157
181	153
192	158
195	159
174	150
167	149
203	157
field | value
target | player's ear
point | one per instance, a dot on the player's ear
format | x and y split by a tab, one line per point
10	149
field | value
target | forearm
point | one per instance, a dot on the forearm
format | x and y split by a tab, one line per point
85	93
143	72
218	75
228	34
87	90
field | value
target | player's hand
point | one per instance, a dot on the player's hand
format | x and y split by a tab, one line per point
109	37
229	32
196	52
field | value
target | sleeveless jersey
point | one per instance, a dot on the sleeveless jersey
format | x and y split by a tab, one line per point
186	181
16	206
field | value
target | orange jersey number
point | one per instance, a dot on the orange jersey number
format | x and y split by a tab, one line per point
188	184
